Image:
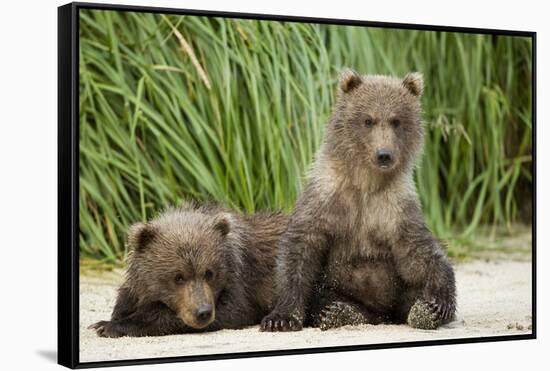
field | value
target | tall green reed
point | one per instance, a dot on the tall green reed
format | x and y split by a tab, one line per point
179	107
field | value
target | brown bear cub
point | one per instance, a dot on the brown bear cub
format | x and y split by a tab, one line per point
357	242
196	268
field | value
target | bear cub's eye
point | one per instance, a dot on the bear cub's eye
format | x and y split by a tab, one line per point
179	279
395	123
369	122
208	275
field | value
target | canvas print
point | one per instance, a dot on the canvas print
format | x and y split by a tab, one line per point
251	185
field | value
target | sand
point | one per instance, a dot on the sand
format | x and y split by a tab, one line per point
494	298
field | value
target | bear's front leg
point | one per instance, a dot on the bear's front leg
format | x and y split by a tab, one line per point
110	329
436	304
288	315
126	303
422	265
300	262
276	321
152	319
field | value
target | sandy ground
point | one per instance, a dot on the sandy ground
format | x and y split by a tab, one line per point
494	299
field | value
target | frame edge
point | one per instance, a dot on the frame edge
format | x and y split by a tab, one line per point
68	251
67	271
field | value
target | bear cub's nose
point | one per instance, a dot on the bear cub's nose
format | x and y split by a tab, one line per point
204	312
384	157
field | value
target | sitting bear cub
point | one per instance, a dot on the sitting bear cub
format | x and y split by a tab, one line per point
196	268
357	248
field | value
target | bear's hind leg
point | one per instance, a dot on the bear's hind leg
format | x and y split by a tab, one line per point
336	311
339	314
428	315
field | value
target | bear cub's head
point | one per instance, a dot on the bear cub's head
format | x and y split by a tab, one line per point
181	259
377	120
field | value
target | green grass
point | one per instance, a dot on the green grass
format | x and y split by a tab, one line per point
178	107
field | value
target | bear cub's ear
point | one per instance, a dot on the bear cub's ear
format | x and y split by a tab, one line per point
414	82
349	80
140	236
222	225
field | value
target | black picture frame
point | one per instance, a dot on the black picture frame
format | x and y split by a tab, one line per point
68	183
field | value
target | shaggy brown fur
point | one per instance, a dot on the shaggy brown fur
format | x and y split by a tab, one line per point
357	235
196	268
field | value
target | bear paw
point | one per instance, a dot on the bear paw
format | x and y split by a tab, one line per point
275	322
107	329
429	315
340	314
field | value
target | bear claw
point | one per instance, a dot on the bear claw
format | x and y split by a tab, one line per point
276	322
106	329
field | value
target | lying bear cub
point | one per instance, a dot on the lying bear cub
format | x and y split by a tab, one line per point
196	268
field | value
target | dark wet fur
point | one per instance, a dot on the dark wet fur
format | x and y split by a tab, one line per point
239	250
357	236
